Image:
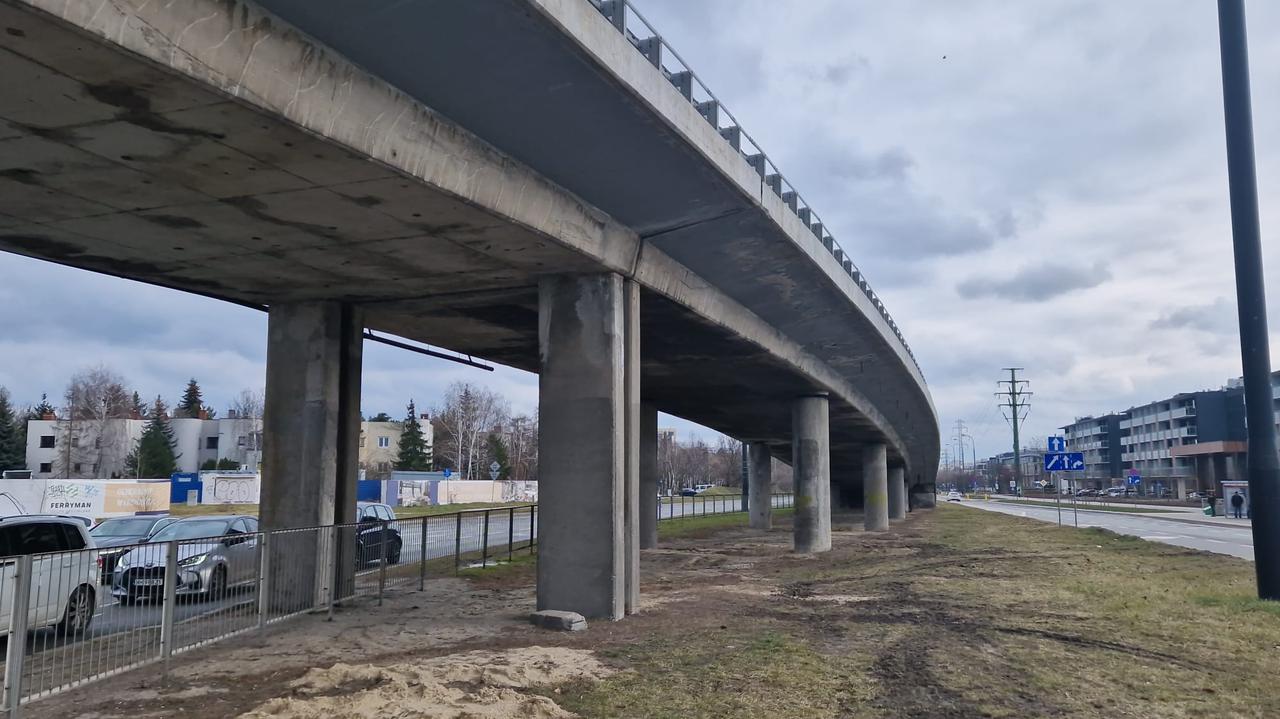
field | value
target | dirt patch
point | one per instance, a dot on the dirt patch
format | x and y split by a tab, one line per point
474	685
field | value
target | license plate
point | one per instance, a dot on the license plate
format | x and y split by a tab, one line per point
148	582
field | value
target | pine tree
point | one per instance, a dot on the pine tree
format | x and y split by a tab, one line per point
192	402
139	409
153	457
41	410
498	453
414	455
13	445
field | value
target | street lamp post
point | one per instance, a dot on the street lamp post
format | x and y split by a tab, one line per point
1255	353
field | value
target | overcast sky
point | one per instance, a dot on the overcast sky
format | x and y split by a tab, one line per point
1032	184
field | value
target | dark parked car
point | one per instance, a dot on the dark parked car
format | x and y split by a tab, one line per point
114	536
376	528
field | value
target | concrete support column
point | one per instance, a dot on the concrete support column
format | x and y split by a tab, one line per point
582	550
875	488
811	467
648	476
311	422
311	436
631	407
897	493
760	485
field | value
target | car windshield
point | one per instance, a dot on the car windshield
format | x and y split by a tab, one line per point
192	530
122	528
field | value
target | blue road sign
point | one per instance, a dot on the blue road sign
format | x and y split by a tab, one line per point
447	472
1064	462
1135	479
1057	444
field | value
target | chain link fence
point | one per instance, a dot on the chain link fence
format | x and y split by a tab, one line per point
77	617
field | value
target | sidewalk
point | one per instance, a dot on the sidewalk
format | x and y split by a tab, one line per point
1190	515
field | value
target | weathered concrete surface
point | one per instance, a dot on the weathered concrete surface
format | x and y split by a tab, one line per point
897	493
760	485
209	146
311	431
582	552
811	471
311	442
562	621
875	488
631	428
648	476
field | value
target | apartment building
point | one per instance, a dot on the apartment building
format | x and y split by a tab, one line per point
380	446
1192	440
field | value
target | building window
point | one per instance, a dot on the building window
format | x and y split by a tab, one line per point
46	441
75	441
210	442
76	468
362	440
384	466
384	442
46	468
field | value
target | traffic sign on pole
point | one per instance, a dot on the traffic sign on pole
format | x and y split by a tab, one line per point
1057	444
1064	462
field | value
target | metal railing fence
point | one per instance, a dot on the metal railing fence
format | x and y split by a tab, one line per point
80	616
645	39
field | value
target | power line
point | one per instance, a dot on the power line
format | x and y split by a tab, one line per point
1018	408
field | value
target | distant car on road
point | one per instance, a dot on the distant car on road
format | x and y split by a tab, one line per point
376	528
64	579
1199	495
1117	492
695	490
115	536
954	496
215	553
1087	492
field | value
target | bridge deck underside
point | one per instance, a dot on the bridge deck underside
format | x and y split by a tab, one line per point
110	164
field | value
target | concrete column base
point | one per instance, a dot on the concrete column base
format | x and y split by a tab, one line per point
897	493
582	550
760	486
648	476
875	488
811	468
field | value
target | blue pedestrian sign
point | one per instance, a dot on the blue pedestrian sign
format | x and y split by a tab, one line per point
447	472
1064	462
1057	444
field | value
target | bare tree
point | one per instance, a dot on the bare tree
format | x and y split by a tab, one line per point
247	408
469	414
522	447
90	435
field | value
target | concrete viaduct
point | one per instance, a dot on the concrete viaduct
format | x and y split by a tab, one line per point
538	182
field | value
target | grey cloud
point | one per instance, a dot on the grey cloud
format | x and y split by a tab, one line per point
1036	283
1217	317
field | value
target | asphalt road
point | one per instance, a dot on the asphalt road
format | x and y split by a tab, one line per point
1235	541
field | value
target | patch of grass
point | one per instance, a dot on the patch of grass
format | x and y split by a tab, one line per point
520	571
700	527
1093	507
734	672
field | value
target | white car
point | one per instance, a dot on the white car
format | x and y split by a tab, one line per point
954	496
64	572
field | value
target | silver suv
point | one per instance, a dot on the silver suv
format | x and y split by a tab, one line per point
64	572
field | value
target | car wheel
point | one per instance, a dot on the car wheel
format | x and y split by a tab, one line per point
218	582
79	613
393	556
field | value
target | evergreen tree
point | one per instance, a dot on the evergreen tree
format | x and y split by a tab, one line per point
139	409
498	453
13	445
192	402
44	408
380	417
414	455
153	457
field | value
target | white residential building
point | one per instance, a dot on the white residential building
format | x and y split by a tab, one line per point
96	449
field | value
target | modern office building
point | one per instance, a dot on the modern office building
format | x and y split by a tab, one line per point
1098	438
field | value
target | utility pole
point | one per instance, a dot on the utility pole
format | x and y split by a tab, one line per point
1264	465
1015	400
959	438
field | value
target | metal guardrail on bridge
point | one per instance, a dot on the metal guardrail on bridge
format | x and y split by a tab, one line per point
160	599
657	51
